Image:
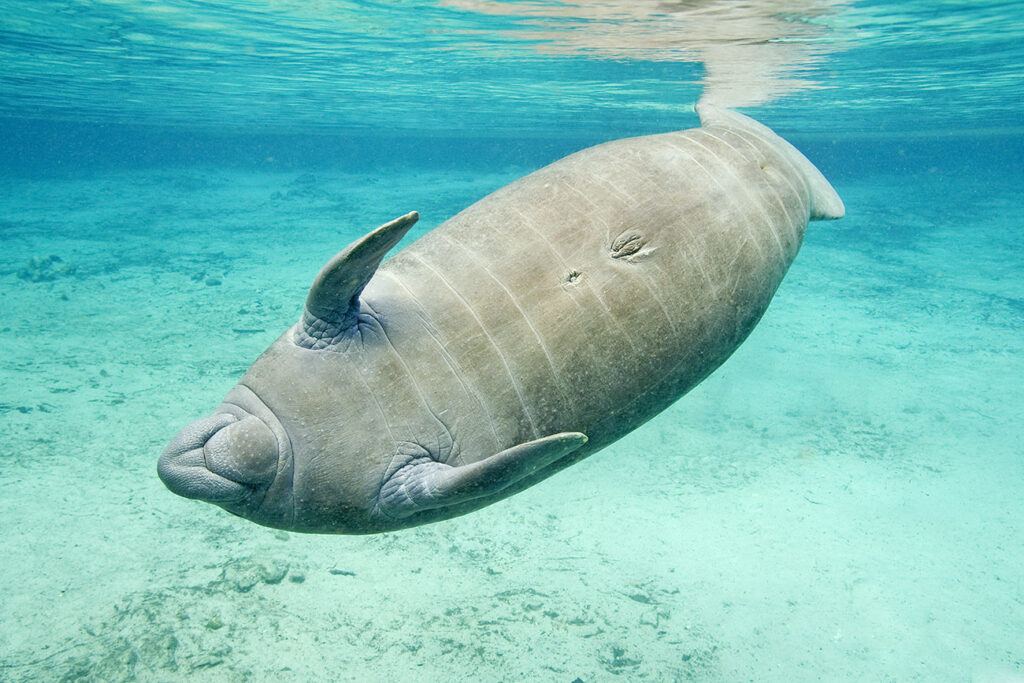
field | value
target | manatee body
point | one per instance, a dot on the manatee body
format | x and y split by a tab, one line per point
534	328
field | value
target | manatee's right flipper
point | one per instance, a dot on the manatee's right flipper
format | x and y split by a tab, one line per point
415	482
333	301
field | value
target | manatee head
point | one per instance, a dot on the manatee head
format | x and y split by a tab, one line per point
241	456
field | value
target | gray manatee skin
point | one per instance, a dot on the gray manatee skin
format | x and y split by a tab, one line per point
537	326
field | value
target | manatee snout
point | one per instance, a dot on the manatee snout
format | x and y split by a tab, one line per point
222	459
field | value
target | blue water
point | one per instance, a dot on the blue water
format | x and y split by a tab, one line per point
840	501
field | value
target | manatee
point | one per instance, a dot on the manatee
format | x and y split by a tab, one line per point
529	331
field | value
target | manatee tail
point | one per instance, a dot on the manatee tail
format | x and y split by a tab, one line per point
825	203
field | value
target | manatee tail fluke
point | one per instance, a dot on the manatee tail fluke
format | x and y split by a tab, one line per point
825	202
416	482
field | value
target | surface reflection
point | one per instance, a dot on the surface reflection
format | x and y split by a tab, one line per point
752	52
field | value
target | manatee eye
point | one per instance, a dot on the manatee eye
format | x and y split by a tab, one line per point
245	452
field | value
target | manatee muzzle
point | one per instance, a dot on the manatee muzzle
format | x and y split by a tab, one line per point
225	458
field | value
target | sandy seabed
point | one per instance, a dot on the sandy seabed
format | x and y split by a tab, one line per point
842	500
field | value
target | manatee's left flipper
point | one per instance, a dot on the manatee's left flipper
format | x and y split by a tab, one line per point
416	482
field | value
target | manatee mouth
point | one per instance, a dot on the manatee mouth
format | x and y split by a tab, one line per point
225	458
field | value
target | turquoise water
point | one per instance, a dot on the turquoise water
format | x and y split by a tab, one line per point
840	501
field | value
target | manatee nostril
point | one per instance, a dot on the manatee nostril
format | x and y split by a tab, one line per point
198	433
245	452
